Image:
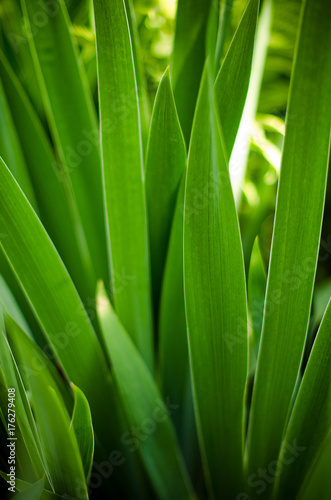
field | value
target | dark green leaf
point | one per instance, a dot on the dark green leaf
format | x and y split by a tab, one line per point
72	120
165	166
310	422
145	409
215	299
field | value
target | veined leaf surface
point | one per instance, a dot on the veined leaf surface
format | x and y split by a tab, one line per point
123	171
296	236
215	299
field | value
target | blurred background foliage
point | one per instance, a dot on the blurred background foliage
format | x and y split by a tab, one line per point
156	25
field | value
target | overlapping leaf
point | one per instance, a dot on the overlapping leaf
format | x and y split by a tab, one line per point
165	166
72	120
145	409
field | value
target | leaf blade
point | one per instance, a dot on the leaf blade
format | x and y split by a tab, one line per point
310	421
165	166
218	353
297	228
123	174
143	403
232	81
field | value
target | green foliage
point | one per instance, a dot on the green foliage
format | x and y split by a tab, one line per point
165	321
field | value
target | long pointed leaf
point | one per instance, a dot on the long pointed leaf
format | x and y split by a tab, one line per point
173	346
215	299
310	421
53	297
165	165
188	57
72	121
123	174
296	236
50	192
145	408
233	78
82	424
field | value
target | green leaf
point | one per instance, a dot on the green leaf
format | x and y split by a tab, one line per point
215	299
123	174
241	148
224	24
165	166
318	483
61	224
232	82
146	411
32	492
81	422
257	281
28	444
58	442
72	120
296	236
212	34
21	486
143	98
10	306
310	422
174	370
51	293
10	149
188	57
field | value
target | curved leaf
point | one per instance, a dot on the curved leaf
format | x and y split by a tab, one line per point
232	81
10	148
50	192
152	432
58	443
51	293
81	422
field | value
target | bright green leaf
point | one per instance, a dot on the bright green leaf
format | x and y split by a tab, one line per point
123	174
82	424
232	82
